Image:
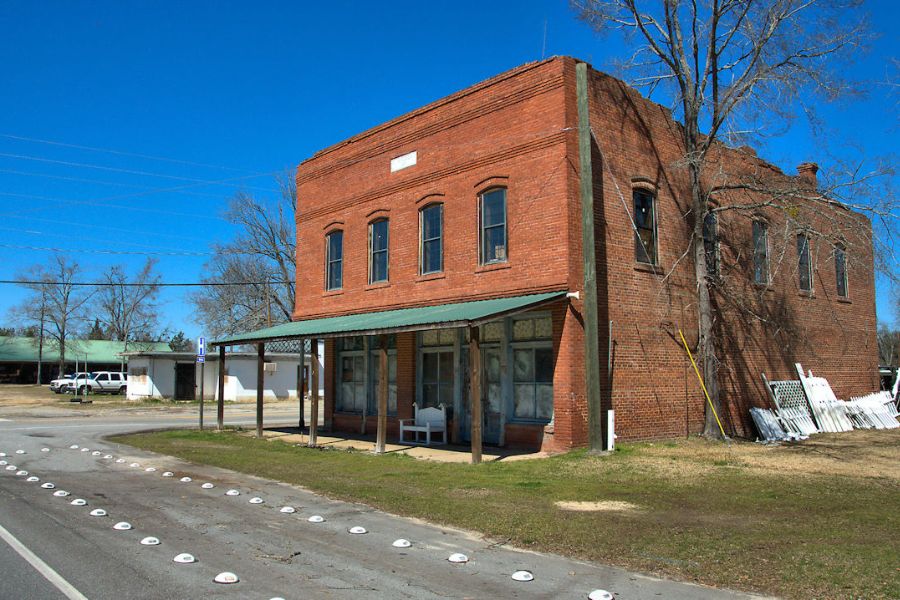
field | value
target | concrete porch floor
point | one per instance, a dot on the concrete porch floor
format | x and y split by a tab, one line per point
366	443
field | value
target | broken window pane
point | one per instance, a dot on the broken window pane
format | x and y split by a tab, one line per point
645	225
840	270
761	252
803	263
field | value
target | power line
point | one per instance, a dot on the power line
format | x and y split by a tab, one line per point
80	225
122	153
76	227
105	205
126	171
108	284
97	181
103	251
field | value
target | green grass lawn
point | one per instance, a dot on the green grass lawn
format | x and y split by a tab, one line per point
736	517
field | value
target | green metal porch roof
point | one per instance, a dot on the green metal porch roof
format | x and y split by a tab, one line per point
442	316
25	349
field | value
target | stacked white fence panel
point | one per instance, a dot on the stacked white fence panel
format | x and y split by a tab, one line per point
792	406
769	427
873	411
830	412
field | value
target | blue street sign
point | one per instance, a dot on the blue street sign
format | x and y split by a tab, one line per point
201	358
201	346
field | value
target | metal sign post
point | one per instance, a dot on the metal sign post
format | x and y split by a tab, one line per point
201	358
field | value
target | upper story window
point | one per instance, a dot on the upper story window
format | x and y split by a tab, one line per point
492	224
761	252
431	246
804	266
840	270
334	260
645	226
711	243
378	251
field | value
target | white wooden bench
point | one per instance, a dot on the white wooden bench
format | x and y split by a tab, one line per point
427	421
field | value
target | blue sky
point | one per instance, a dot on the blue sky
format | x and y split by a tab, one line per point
239	91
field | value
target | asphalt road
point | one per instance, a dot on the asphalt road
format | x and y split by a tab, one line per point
274	554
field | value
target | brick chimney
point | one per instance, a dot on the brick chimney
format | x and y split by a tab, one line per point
807	172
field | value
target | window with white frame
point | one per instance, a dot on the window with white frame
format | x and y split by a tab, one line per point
492	226
334	260
351	359
378	251
436	351
532	372
431	242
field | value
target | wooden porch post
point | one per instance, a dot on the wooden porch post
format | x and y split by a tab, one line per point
260	385
475	392
301	376
314	390
220	402
382	395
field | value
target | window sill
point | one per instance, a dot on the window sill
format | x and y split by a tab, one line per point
648	268
378	286
431	276
844	300
327	293
529	422
498	266
764	288
806	294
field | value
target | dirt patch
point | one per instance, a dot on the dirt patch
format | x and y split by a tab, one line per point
603	505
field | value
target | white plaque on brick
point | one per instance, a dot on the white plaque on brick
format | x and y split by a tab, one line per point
402	162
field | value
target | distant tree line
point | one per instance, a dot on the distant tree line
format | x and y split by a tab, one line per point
122	307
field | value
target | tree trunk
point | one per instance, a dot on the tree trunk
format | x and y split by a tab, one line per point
706	346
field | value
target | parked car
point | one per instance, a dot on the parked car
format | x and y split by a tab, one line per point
62	384
100	382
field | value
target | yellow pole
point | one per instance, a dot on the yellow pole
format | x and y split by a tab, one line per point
702	385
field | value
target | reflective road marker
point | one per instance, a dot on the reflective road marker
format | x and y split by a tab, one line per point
67	589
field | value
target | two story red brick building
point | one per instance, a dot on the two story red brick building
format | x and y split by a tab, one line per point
476	197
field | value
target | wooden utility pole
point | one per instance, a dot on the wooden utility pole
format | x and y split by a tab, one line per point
202	380
314	390
381	432
475	392
260	386
220	403
589	307
301	377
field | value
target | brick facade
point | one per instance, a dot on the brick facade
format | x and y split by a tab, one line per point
518	131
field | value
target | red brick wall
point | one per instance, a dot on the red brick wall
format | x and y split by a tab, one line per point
518	130
507	131
655	392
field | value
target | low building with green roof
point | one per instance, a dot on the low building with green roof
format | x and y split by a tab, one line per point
19	357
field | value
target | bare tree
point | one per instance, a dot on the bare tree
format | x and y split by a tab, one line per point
888	346
128	308
734	71
55	307
251	279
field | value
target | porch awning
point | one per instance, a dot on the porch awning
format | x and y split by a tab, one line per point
443	316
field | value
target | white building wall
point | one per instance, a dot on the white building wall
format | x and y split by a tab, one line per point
159	381
240	380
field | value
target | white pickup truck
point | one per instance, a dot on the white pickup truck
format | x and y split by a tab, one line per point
100	382
62	384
